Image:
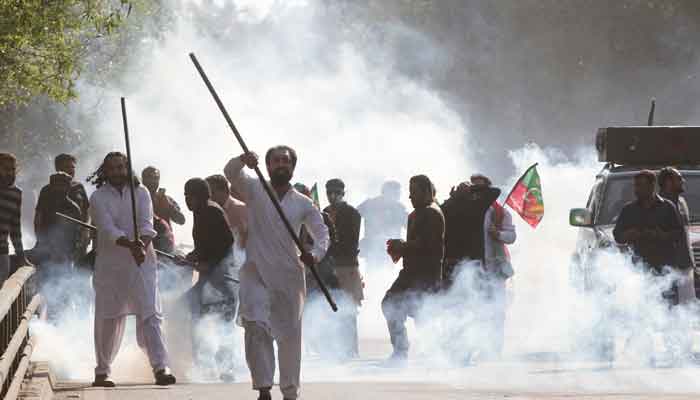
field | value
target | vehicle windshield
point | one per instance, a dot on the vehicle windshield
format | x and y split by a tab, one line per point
620	191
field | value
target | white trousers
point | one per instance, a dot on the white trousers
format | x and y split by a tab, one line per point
260	356
109	333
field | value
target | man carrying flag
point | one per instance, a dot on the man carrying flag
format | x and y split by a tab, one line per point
499	232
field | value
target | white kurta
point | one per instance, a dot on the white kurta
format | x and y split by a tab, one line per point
272	255
495	253
121	286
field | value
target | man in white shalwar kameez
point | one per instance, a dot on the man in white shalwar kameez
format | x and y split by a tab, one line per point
125	278
272	287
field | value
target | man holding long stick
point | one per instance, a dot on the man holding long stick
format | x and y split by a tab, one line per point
272	288
125	278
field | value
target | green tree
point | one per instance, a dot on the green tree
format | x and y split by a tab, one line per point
43	41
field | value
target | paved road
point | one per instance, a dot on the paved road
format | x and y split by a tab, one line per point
535	376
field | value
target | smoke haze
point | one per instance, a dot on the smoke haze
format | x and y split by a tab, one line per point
387	98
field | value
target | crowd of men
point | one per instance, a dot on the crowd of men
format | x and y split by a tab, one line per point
267	294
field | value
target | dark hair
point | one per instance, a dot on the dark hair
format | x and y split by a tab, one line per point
292	154
219	183
649	175
481	176
666	173
8	157
150	169
335	183
425	184
198	187
98	178
63	158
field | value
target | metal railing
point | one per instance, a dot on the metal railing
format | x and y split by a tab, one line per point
18	303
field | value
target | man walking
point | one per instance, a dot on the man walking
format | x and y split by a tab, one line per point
344	249
216	291
272	291
422	252
498	231
125	278
10	215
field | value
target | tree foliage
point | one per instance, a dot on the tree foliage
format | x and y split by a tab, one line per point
42	42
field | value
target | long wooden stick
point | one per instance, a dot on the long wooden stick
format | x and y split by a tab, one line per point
94	229
130	172
268	190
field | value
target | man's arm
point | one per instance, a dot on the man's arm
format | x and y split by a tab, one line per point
144	215
506	233
353	235
621	227
176	214
313	220
238	178
16	229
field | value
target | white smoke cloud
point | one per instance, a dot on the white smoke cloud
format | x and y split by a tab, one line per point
284	81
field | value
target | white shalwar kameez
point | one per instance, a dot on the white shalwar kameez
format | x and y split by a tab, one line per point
121	287
272	288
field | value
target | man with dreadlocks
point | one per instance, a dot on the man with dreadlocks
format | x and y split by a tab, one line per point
422	252
125	278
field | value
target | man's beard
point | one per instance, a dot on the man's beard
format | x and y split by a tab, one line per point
280	177
117	180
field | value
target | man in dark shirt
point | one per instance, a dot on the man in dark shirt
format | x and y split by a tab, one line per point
10	215
651	226
164	206
216	291
347	221
465	213
671	186
58	245
43	216
57	239
422	252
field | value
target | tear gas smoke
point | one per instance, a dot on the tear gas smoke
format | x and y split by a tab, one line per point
284	81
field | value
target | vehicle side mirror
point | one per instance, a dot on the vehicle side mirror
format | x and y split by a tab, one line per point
581	217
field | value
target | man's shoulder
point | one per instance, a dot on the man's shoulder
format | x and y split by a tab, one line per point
234	202
213	208
75	185
12	193
351	210
434	211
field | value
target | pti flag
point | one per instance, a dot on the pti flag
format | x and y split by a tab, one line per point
314	196
526	197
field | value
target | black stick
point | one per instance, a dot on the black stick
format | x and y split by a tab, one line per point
94	229
130	172
650	120
231	125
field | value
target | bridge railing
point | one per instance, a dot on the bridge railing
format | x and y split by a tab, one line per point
19	301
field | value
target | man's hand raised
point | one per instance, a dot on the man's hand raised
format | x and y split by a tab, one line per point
250	159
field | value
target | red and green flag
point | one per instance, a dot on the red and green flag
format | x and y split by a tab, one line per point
526	197
314	196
